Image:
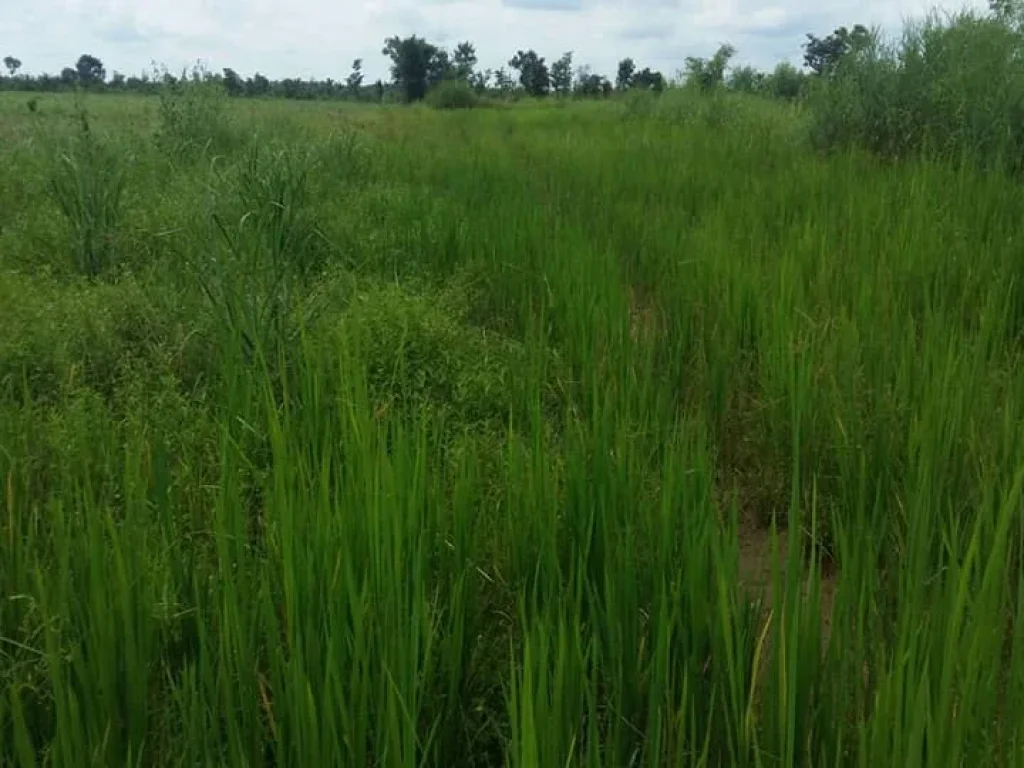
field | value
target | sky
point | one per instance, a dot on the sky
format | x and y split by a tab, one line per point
320	38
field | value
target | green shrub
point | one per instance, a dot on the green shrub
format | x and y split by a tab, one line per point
949	88
58	336
453	94
420	352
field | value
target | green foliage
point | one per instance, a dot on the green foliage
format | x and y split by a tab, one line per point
591	85
90	71
262	256
87	183
786	82
823	55
947	88
192	120
453	94
709	74
534	75
561	74
584	441
420	353
63	336
463	61
624	75
415	65
354	82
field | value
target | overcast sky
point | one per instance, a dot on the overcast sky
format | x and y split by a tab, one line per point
320	38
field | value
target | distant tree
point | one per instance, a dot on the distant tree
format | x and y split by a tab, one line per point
1009	12
479	81
822	55
708	74
90	70
561	74
503	82
746	79
257	85
440	68
649	79
533	72
624	77
591	85
233	83
379	85
785	81
464	61
12	64
415	64
68	76
117	81
354	82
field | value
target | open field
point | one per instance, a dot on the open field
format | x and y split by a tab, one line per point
338	435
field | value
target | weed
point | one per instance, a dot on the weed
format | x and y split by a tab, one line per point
87	184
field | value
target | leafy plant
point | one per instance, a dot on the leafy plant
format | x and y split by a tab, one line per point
259	267
87	184
192	119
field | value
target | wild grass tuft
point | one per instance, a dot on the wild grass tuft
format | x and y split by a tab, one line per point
87	183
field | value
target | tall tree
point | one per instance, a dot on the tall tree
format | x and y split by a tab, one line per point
354	82
12	64
1010	12
624	77
233	82
561	74
90	70
746	79
440	68
590	84
503	81
708	74
415	63
258	85
822	55
533	72
649	80
464	60
479	81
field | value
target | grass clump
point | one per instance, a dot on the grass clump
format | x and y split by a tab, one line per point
192	117
87	185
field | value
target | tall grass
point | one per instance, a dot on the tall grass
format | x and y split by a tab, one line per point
616	440
87	185
948	87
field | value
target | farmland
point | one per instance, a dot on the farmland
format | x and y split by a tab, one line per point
633	432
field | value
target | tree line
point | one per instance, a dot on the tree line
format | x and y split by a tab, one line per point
418	66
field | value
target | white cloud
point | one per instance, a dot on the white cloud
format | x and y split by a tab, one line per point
320	38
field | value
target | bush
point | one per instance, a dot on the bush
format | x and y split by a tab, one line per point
951	89
192	119
420	351
59	335
453	94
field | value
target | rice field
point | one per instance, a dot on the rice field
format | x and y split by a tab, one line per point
632	433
